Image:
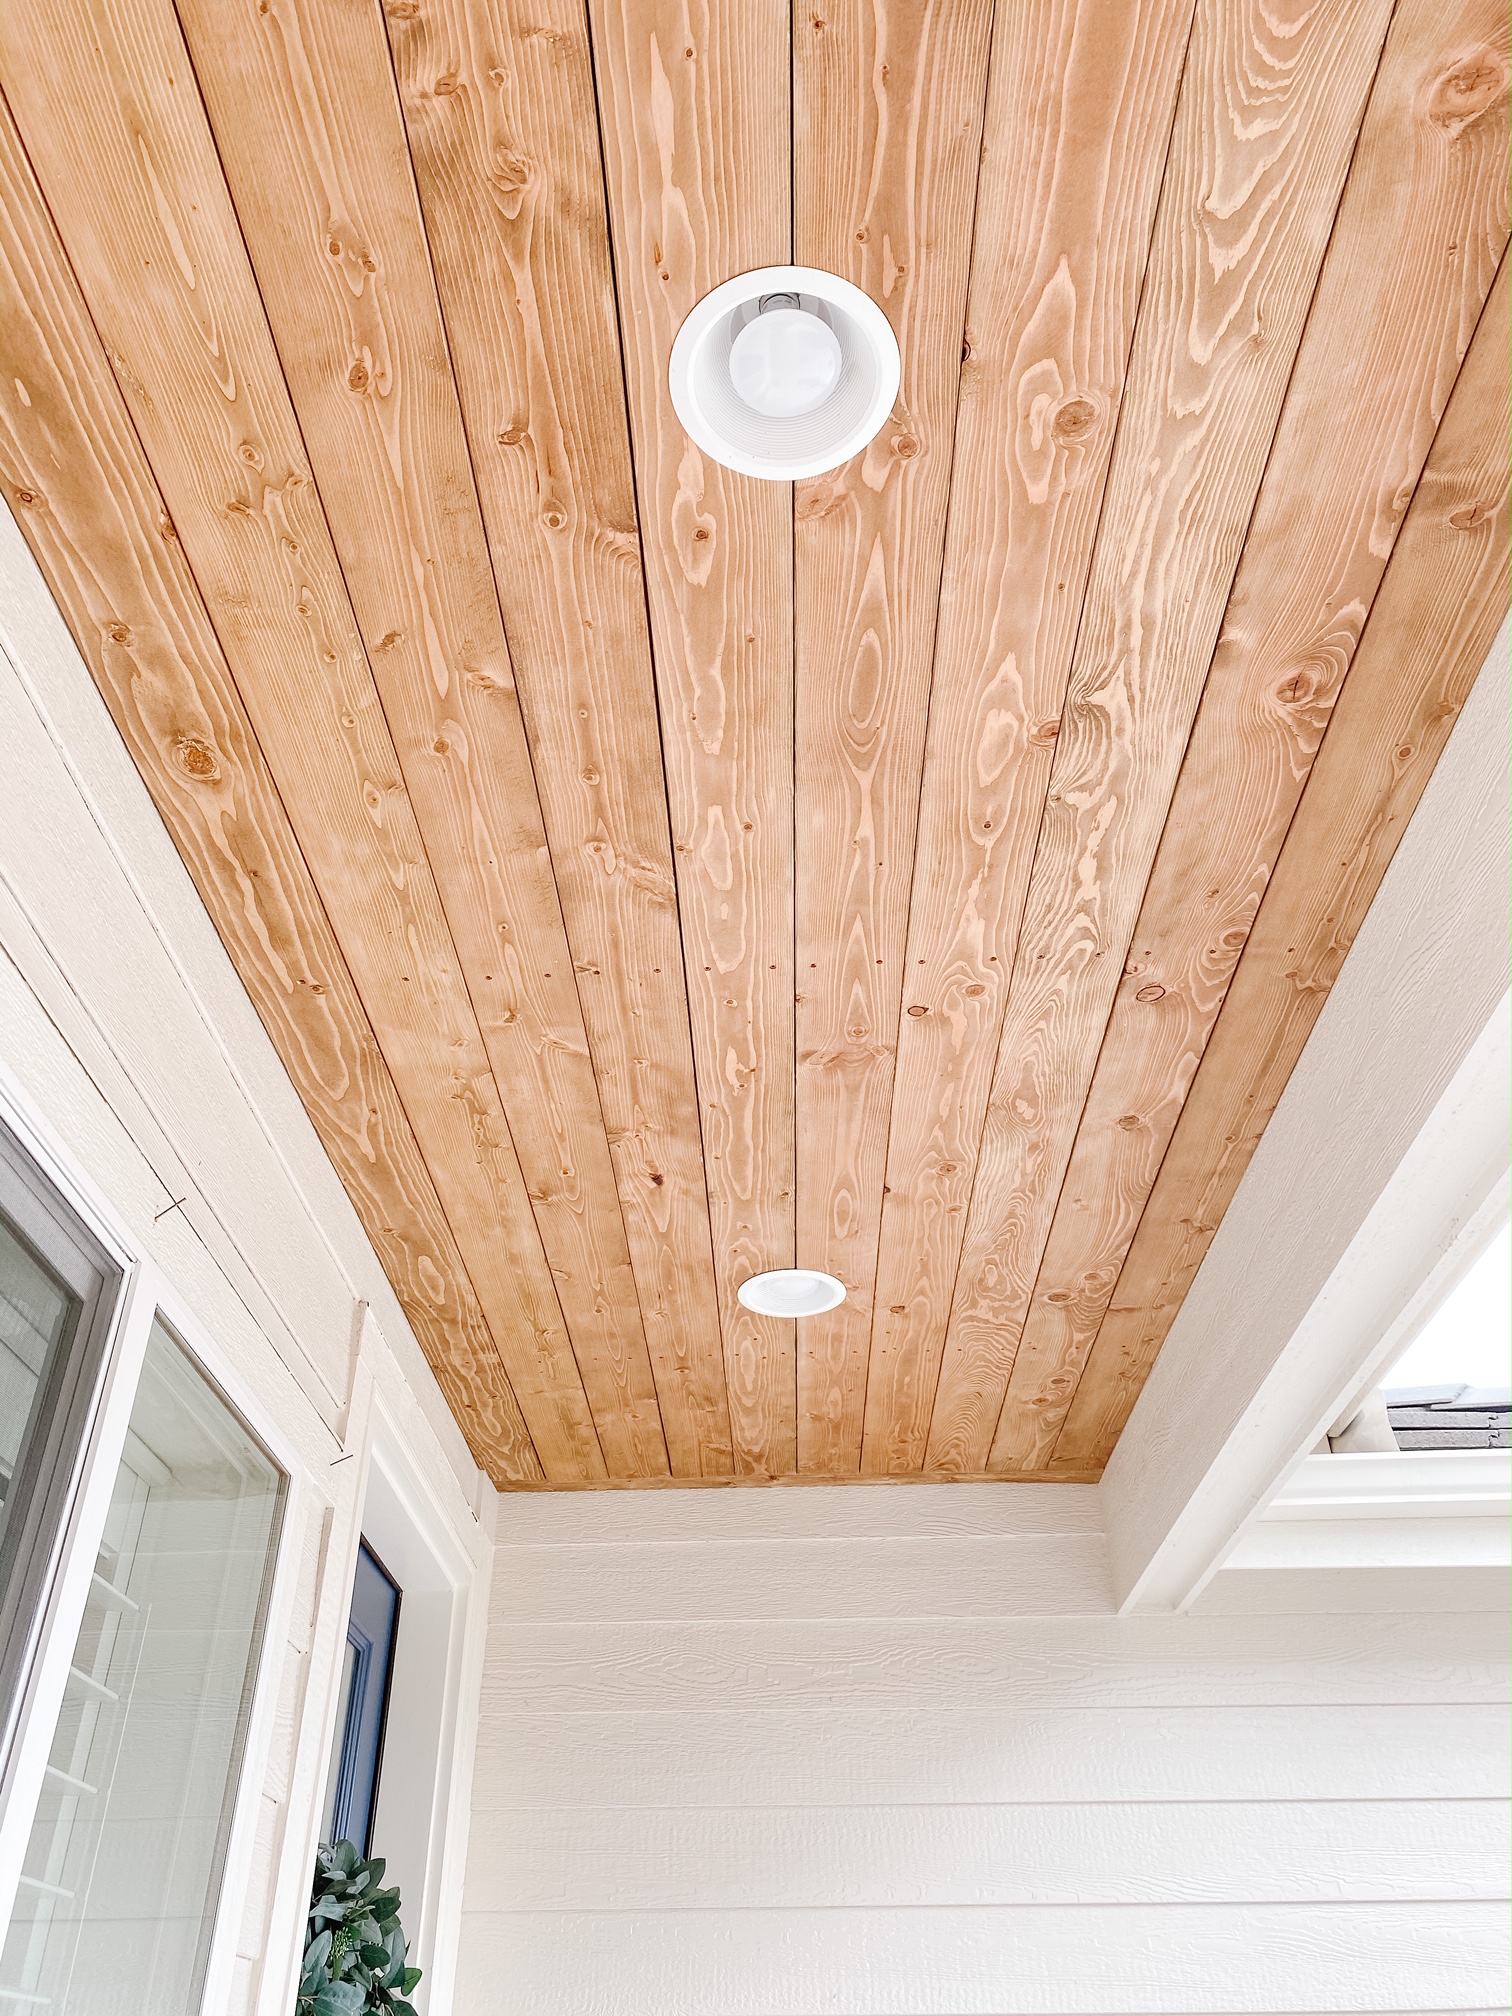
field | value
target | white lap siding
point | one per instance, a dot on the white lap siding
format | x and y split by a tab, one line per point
887	1752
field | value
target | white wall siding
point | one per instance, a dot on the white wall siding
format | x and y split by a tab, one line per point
888	1752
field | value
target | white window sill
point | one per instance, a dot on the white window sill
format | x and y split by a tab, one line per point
1407	1508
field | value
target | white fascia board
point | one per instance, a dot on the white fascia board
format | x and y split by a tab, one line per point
1379	1178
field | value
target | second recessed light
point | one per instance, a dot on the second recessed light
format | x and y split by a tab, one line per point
791	1291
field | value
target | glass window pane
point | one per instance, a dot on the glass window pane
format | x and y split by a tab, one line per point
38	1316
122	1872
58	1293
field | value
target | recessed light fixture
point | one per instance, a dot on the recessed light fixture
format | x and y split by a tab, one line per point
791	1291
784	372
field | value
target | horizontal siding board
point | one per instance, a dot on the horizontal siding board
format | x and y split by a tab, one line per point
1406	1591
734	1859
854	1757
949	1665
1041	1575
926	1812
880	1511
1101	1961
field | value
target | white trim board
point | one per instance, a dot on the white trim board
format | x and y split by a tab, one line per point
1370	1191
1413	1509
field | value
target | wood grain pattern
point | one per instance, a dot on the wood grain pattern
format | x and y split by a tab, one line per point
1078	117
72	470
695	108
339	249
1443	596
1269	110
105	101
652	875
499	105
1384	342
887	116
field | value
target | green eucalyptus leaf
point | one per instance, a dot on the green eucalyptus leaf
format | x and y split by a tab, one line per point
342	1998
355	1961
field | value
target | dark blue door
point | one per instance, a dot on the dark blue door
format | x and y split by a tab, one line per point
357	1757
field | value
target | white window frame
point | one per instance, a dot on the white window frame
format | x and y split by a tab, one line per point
433	1922
146	1293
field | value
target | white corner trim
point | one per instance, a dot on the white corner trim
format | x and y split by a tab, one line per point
1372	1189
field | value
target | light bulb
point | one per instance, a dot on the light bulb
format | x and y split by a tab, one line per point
785	362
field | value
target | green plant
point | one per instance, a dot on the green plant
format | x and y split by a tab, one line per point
354	1959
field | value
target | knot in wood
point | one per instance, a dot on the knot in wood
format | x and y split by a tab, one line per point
196	758
1150	994
1468	89
1073	421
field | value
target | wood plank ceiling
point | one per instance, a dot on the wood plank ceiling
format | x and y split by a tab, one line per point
650	875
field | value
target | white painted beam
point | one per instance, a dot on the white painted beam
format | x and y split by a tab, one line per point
1371	1191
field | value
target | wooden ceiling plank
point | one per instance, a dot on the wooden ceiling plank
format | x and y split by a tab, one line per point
1384	342
339	249
1442	599
73	472
1079	109
1270	106
113	123
888	103
695	110
499	105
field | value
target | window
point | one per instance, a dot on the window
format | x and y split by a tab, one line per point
58	1292
122	1870
362	1710
1449	1388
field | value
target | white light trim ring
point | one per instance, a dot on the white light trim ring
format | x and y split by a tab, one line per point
790	1292
782	447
